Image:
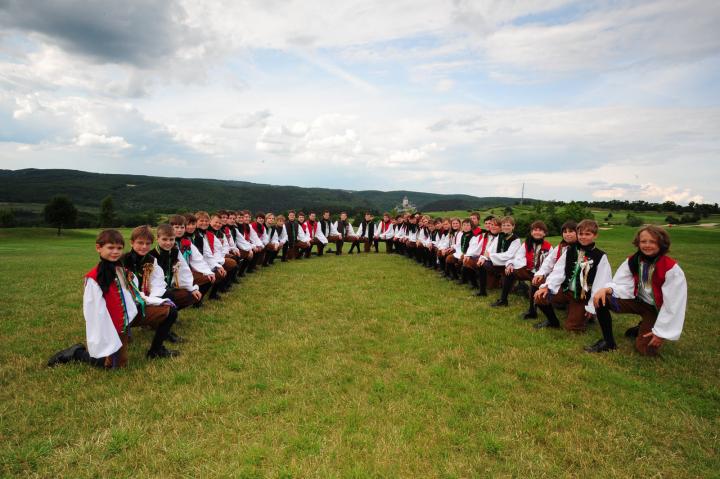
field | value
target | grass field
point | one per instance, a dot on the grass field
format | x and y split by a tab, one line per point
352	366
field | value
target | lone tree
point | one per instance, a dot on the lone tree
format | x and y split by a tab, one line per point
60	212
107	212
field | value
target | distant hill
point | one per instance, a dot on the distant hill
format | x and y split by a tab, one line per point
143	193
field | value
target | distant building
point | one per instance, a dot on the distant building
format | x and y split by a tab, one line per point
406	206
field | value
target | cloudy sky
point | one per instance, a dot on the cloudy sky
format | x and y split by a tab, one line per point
577	99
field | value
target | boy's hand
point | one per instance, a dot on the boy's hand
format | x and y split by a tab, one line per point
538	280
656	341
541	294
509	270
600	298
211	277
221	271
197	295
481	260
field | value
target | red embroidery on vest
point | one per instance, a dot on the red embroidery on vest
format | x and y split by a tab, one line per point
113	302
662	266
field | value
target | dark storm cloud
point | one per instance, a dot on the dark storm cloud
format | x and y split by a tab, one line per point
137	32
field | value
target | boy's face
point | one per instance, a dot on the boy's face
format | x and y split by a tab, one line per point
386	218
231	219
495	228
455	225
648	244
312	217
291	216
301	218
215	223
368	217
466	227
110	251
474	220
190	228
537	233
326	215
223	219
570	236
203	223
586	237
343	216
488	225
413	220
431	226
141	246
280	221
507	228
260	220
270	220
166	242
246	218
179	230
446	225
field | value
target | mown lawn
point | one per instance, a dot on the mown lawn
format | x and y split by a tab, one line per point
357	366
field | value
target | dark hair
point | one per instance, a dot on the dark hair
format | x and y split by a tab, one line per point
109	237
259	214
190	218
222	212
489	218
537	224
569	225
177	220
165	230
659	234
466	220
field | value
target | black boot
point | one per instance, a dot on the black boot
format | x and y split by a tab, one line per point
66	355
162	352
551	321
600	346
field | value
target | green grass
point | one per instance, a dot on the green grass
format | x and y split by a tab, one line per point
357	366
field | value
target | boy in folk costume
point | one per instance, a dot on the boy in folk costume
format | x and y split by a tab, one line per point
366	232
411	234
399	234
112	304
251	236
385	233
454	261
326	226
282	234
317	237
302	245
475	222
259	238
496	250
580	272
569	235
446	245
244	253
649	284
273	240
217	239
423	238
291	229
179	285
211	251
341	231
528	261
202	275
230	249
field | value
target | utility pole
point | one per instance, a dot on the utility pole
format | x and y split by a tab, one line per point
522	195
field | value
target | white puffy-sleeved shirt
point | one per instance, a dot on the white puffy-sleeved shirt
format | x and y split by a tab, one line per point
101	335
603	275
549	263
671	316
506	257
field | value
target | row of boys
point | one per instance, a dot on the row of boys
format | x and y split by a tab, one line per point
203	255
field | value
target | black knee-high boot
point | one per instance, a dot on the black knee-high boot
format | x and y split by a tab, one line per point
339	247
162	332
532	308
605	319
482	280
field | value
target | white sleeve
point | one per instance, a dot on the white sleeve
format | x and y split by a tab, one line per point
185	277
333	229
101	336
389	233
520	260
458	245
255	239
548	263
474	246
502	259
197	262
622	284
219	254
283	236
603	275
157	280
671	317
555	279
242	243
320	235
490	246
208	255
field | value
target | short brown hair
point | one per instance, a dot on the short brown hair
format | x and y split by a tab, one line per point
177	220
537	224
190	218
589	225
280	217
222	212
507	219
659	234
475	214
570	225
142	232
165	230
109	237
202	214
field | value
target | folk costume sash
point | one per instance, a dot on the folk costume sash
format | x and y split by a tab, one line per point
504	241
384	226
653	270
580	268
110	276
487	237
184	245
142	267
535	253
465	241
168	262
